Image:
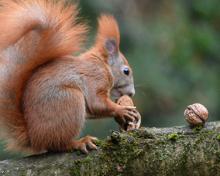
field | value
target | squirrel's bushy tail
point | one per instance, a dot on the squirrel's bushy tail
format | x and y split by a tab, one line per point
32	33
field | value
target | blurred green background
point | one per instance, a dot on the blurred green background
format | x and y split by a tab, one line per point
173	47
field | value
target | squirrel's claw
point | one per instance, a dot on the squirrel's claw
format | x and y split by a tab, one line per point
86	143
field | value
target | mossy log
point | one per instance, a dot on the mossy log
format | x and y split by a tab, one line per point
147	151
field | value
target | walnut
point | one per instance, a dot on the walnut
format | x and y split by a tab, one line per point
125	101
128	126
196	114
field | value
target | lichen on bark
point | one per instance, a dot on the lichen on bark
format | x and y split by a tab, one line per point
147	151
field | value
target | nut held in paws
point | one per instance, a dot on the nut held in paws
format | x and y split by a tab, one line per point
196	114
127	101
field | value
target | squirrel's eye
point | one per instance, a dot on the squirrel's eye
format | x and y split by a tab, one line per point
126	71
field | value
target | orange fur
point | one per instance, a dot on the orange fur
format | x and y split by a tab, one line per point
32	33
107	29
45	93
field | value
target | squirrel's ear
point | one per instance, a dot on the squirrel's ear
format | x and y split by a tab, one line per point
111	46
108	37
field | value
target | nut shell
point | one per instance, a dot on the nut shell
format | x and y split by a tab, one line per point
125	101
196	114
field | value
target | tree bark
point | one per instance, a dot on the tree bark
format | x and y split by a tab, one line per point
174	151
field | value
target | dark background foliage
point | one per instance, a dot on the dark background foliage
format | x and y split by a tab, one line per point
173	48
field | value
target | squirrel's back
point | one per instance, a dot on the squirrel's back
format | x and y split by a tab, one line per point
32	33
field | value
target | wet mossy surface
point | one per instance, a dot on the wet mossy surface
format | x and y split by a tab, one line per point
147	151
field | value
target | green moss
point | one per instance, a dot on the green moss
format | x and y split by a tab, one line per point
218	137
126	153
173	136
142	133
119	150
80	165
101	143
197	128
78	152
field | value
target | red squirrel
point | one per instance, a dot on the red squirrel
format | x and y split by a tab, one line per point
46	93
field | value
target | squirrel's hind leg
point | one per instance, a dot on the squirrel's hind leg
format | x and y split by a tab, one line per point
56	119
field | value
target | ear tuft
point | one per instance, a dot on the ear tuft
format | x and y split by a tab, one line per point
108	36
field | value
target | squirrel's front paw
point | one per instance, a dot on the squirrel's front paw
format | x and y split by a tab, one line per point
127	113
128	118
127	123
133	125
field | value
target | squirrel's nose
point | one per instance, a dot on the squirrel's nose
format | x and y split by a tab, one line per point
131	93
